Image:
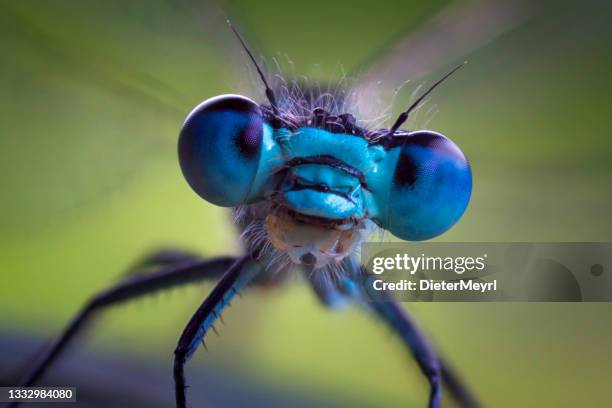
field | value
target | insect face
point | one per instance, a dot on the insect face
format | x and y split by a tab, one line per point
322	181
323	199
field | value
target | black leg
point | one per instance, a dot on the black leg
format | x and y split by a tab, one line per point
387	308
459	390
326	289
237	277
427	359
165	278
160	258
431	365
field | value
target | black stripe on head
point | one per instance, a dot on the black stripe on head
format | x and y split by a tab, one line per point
330	161
319	118
421	138
322	189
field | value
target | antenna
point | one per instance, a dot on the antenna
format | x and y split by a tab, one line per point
269	93
404	115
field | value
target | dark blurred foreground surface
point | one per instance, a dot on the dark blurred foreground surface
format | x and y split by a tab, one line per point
104	380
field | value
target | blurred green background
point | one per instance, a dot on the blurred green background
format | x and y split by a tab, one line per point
91	98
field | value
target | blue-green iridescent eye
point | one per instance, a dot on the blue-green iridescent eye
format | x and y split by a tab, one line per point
220	148
430	187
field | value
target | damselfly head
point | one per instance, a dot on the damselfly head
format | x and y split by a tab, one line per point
309	179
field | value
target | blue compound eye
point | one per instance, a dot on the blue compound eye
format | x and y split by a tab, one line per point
220	148
430	187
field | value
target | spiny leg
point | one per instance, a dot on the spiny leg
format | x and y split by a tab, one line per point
237	277
326	289
427	359
152	261
432	366
352	286
159	258
459	390
164	278
392	314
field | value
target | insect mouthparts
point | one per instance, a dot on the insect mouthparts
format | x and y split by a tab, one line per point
308	259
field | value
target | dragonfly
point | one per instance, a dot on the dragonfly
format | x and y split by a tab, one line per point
308	182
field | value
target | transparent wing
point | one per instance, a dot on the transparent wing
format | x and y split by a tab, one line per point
92	97
443	40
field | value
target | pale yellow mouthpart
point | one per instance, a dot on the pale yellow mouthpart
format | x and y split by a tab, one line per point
297	239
